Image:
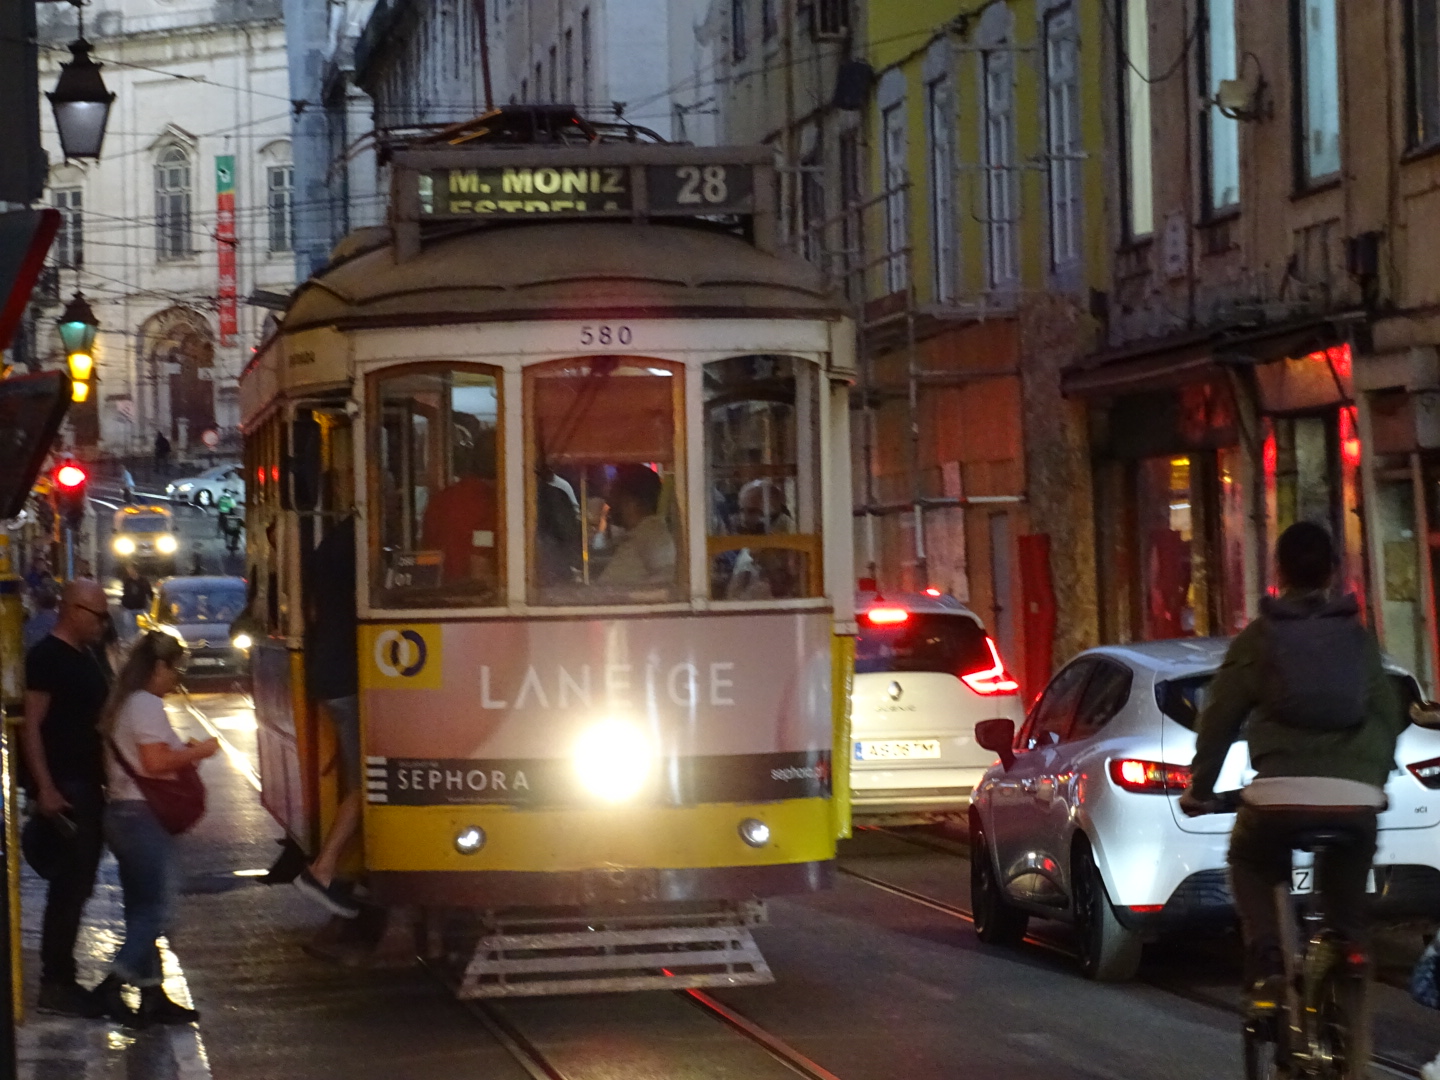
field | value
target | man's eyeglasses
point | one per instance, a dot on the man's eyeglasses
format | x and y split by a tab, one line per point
102	614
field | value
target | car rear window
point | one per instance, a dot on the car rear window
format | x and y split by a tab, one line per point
217	604
1182	700
926	641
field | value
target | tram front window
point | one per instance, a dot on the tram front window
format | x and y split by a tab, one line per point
762	441
606	525
436	482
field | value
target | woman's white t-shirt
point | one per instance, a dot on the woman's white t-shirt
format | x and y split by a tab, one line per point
141	720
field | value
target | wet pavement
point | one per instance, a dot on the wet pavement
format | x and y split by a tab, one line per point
869	986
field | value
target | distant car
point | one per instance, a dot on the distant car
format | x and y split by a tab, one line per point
925	672
204	489
144	536
1084	826
199	611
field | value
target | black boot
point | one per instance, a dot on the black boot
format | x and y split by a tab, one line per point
156	1008
112	1003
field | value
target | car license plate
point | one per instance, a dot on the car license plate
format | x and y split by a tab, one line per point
1302	880
205	661
896	749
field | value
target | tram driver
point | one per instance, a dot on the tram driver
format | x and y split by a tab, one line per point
645	554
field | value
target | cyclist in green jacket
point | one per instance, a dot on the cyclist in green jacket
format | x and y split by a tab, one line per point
1323	722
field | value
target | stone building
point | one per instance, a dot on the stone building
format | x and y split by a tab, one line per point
946	170
1270	350
196	162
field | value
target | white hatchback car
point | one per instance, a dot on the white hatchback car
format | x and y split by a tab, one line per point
204	490
1083	824
925	673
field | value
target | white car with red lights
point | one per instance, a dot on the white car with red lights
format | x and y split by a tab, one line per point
925	673
1082	824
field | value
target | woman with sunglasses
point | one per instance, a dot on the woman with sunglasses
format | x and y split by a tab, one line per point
134	727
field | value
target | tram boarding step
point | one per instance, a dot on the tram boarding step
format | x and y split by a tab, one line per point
565	955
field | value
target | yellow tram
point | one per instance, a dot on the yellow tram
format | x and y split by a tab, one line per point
593	430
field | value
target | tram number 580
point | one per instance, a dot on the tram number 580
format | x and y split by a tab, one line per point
701	185
605	334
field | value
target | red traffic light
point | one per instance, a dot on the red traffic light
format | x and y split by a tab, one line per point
70	476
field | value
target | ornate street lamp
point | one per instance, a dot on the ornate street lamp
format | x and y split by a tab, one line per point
80	100
77	333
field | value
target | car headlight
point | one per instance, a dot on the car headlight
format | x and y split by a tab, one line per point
242	641
123	545
170	489
613	760
184	488
166	544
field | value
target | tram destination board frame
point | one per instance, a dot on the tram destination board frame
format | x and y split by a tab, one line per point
626	182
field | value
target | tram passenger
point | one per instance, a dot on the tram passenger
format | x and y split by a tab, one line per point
460	519
645	554
332	677
760	574
557	530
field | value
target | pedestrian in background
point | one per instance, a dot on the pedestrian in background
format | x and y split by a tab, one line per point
140	743
65	690
136	594
46	598
162	453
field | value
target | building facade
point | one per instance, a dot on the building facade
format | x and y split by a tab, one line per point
947	169
187	213
1270	351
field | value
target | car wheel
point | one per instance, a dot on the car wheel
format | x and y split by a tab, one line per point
1108	951
203	497
997	921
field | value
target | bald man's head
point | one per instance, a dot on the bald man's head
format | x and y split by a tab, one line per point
84	612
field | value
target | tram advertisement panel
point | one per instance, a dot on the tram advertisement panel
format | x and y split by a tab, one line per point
718	708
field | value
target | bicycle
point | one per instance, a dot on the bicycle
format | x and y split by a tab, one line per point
1319	1030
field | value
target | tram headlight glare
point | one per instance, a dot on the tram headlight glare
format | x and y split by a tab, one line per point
754	832
166	544
123	545
469	840
242	641
613	760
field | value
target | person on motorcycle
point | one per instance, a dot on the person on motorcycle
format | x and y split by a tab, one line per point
1323	722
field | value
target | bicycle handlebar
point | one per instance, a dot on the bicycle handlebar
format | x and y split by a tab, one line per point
1224	802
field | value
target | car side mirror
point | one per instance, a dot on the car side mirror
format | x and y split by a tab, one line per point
998	736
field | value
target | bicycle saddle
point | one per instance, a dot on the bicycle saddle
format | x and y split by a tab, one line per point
1323	839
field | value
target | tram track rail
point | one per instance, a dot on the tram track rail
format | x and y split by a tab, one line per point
1390	1064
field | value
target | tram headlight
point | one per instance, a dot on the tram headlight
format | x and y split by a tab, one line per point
166	544
754	832
613	760
469	840
242	641
123	545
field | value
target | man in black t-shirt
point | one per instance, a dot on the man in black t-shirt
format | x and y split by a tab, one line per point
65	689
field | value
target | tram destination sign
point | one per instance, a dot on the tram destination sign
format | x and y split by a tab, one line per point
530	190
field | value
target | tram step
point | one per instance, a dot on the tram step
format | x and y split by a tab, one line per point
649	957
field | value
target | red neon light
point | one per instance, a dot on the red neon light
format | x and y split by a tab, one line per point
887	616
70	476
993	680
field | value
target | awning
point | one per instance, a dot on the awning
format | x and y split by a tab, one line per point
1160	363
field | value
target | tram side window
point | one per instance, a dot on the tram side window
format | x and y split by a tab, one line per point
762	469
605	496
436	484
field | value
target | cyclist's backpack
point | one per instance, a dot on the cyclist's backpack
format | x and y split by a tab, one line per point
1314	673
1425	979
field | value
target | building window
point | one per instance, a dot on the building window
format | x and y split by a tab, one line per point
1135	108
554	77
1002	195
769	18
1222	133
524	91
172	204
737	30
569	65
831	17
851	232
1063	139
539	79
940	140
896	181
1318	112
70	240
1422	46
812	204
280	199
586	90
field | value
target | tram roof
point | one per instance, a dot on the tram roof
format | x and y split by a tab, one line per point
572	269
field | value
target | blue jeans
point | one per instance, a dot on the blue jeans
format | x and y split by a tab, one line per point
148	874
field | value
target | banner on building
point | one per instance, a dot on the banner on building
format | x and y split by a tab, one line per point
225	244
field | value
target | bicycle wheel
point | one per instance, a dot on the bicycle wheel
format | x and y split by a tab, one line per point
1342	1027
1262	1053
